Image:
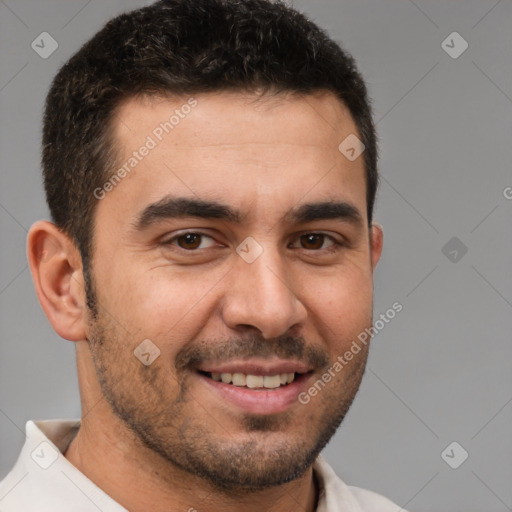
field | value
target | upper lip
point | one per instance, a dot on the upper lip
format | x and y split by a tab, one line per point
254	367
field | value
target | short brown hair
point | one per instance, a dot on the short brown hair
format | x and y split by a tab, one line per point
182	47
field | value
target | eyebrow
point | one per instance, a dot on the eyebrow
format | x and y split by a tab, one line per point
339	210
180	207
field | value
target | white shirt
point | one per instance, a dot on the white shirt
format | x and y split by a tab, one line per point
43	480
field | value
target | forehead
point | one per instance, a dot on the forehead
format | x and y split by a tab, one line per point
235	117
235	148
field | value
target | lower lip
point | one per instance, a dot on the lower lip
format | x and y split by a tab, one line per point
258	401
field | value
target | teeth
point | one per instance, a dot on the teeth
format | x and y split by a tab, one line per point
254	381
239	379
272	382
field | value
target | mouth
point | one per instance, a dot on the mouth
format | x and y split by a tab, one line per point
255	382
260	392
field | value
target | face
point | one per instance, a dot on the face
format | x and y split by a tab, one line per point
238	245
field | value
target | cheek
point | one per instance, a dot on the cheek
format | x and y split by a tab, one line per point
160	302
340	306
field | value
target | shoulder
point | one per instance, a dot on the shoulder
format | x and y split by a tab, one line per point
372	502
336	496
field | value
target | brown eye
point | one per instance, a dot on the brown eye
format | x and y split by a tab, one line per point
189	241
312	241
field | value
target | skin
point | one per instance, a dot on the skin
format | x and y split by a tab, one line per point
154	435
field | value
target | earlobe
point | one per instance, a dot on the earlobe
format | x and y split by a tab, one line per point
56	268
376	241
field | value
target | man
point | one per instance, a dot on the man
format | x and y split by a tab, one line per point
210	168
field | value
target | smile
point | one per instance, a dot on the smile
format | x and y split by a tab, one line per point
253	381
256	394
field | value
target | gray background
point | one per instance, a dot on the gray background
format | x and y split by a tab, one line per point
441	370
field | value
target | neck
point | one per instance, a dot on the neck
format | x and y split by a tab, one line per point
138	479
113	457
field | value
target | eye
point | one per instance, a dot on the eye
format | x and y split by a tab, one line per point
317	241
191	241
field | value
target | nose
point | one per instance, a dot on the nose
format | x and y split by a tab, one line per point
261	295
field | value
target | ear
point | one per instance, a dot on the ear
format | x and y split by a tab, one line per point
376	241
56	267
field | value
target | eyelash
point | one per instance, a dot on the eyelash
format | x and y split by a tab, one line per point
336	245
